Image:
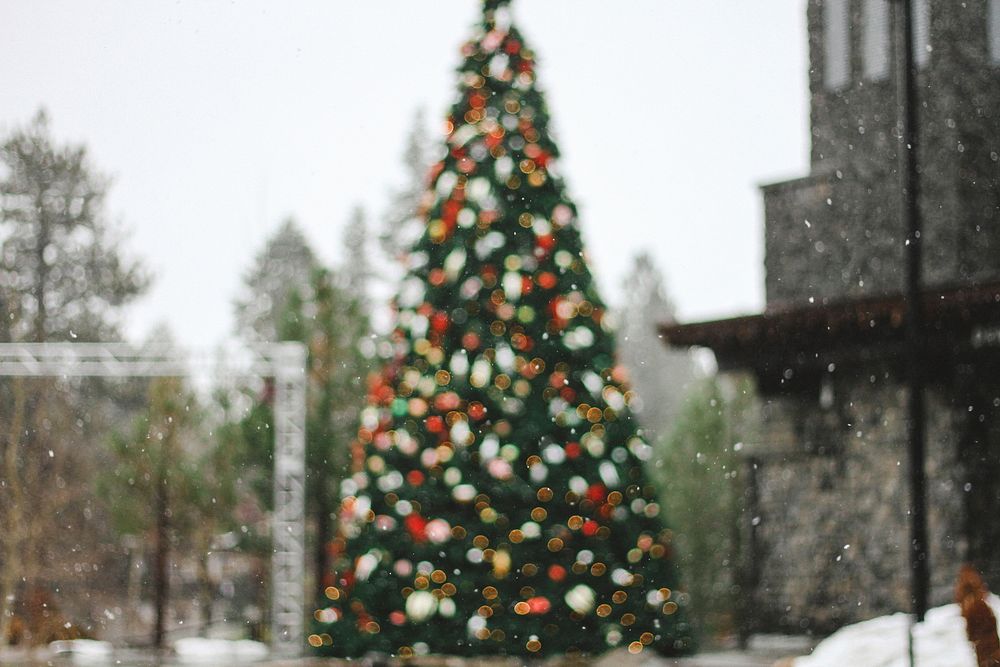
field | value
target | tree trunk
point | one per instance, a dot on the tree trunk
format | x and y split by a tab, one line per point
14	525
205	592
161	557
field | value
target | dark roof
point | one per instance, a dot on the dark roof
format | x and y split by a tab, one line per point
948	312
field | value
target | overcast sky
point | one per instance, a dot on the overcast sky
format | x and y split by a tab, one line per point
219	119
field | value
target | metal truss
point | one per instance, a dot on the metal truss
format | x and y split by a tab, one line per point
286	363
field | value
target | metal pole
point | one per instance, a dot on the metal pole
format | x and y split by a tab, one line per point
906	99
288	523
286	362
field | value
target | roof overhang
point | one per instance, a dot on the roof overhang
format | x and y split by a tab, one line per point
968	316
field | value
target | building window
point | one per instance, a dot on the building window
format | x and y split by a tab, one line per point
921	32
836	44
993	25
875	39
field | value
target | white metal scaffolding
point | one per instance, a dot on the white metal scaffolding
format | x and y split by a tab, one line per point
286	363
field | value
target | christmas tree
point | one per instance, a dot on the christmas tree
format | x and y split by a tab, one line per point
500	504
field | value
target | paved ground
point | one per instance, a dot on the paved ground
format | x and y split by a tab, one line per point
766	652
775	652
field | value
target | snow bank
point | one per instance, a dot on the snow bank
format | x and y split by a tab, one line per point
939	641
83	651
198	650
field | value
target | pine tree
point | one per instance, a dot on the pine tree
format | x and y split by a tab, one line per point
64	275
401	223
662	377
500	504
697	467
285	265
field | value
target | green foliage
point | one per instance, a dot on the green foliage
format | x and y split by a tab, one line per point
167	450
697	469
63	277
327	311
62	272
282	268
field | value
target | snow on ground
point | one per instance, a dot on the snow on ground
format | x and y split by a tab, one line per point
939	641
83	651
198	650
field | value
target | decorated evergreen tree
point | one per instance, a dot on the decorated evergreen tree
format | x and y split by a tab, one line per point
499	505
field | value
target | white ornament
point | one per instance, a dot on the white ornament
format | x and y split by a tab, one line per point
438	531
580	599
609	474
512	285
420	605
454	263
554	454
446	608
365	566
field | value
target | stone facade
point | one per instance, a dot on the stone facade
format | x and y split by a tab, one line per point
827	530
836	233
828	512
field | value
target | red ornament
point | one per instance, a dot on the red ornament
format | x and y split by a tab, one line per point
434	424
440	322
470	341
572	450
547	280
546	242
449	213
436	277
447	401
597	492
416	525
383	394
526	285
590	527
539	605
415	478
397	617
557	572
477	410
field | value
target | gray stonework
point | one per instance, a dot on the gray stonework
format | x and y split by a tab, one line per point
827	466
826	477
829	518
836	233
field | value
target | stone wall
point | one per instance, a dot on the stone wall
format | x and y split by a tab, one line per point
853	244
829	522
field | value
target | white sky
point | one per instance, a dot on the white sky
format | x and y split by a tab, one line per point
218	119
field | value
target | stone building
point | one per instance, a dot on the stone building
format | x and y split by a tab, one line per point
827	532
